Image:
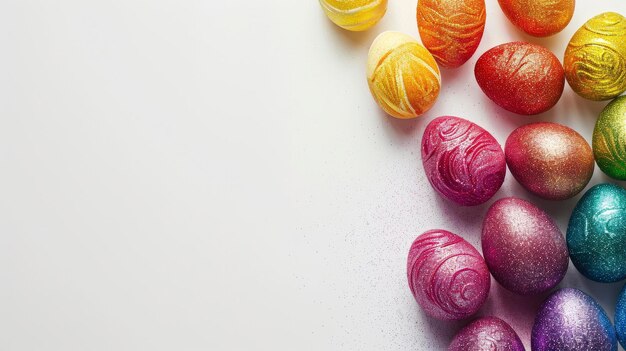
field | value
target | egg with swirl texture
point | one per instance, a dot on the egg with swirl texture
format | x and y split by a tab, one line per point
609	139
596	234
487	334
402	75
447	276
540	18
462	161
595	57
570	320
524	249
550	160
520	77
451	29
354	15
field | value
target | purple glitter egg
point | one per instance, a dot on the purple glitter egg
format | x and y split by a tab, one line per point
487	334
570	320
524	249
447	275
462	161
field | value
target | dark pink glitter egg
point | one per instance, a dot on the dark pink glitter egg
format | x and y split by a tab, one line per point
487	334
447	275
462	161
524	250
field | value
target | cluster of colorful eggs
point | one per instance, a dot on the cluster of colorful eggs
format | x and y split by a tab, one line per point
523	249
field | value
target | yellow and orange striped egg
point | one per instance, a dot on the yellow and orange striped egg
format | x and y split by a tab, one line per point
354	15
402	75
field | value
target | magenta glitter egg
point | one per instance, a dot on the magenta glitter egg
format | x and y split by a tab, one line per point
447	275
524	249
462	161
487	334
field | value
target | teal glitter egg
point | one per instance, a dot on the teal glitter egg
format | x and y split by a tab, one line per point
596	234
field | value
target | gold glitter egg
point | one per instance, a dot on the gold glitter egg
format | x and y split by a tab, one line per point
402	75
595	58
539	18
451	29
354	15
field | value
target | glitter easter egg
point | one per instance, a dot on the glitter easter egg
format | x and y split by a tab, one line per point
354	15
403	76
487	334
462	161
595	58
550	160
451	29
520	77
524	249
609	139
620	317
596	234
540	18
570	320
447	276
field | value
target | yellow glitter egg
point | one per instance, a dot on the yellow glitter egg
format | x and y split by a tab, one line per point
402	75
355	15
595	58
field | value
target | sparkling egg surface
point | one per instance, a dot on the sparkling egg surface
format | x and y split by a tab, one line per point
596	234
462	161
620	317
354	15
550	160
402	75
524	249
540	18
570	320
609	139
451	29
520	77
487	334
595	58
447	275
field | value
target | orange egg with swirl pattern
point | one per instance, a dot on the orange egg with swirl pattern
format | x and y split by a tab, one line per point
451	29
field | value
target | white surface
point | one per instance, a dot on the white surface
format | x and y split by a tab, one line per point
204	175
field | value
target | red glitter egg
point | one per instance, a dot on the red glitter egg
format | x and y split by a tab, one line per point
550	160
521	77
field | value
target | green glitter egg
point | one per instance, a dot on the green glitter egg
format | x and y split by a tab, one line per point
609	139
596	234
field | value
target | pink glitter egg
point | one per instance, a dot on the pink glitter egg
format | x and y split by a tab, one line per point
462	161
524	250
447	275
487	334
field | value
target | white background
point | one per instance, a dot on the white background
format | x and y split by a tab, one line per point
214	175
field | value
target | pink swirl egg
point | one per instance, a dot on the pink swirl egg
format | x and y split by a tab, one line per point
462	161
524	249
447	275
487	334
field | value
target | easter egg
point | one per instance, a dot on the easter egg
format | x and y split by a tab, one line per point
595	58
462	161
609	139
447	276
540	18
620	317
524	249
520	77
570	320
451	29
550	160
354	15
402	75
487	334
596	234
